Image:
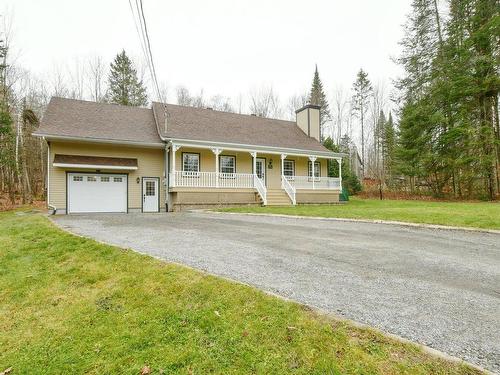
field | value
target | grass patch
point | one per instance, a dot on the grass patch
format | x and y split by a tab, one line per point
484	215
72	305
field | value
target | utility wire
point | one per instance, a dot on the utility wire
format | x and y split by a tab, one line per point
148	56
148	45
143	48
141	40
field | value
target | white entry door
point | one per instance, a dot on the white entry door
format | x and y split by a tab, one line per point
150	194
261	169
96	192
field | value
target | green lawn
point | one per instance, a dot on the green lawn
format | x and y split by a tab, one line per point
71	305
462	214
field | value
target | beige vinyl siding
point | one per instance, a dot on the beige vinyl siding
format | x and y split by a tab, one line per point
207	159
314	117
308	120
244	163
302	121
150	164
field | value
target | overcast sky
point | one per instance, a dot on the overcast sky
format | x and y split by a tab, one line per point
225	47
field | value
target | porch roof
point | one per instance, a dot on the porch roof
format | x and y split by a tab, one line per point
253	148
93	162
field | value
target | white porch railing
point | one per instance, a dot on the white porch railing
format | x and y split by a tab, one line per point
289	189
261	188
219	180
212	180
306	182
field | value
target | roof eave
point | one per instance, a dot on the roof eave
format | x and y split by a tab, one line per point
251	148
56	137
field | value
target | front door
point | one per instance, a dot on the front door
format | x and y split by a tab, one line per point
261	169
150	194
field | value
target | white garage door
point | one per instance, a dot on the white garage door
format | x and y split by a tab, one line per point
89	192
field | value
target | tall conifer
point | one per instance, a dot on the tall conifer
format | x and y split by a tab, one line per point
317	97
125	88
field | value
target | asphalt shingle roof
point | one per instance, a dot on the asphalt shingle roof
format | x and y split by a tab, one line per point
102	121
83	119
208	125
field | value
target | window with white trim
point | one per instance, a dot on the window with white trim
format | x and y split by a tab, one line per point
91	178
227	165
289	168
77	178
190	164
117	179
317	170
105	179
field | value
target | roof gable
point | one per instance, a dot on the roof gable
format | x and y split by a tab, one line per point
84	119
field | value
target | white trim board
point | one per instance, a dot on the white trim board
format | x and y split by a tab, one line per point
94	166
250	148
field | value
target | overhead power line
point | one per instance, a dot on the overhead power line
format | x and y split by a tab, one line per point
142	31
148	45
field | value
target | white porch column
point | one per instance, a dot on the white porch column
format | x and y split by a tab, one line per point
174	149
313	159
283	157
339	160
216	152
254	161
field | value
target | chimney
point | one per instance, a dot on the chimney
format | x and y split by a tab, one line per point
308	120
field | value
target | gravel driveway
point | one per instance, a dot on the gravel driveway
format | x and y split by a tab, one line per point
436	287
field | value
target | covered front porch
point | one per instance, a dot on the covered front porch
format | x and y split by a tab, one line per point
234	175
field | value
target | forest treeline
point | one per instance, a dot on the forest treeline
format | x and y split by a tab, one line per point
435	133
449	134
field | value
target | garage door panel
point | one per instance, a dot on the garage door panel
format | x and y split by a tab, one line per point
96	193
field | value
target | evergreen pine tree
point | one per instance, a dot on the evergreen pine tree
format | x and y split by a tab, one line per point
362	92
317	97
124	85
349	179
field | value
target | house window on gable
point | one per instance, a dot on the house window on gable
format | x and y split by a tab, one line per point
317	171
227	165
289	169
190	164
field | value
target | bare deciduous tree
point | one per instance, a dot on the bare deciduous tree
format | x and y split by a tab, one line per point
221	103
265	103
341	114
77	77
295	102
183	96
96	78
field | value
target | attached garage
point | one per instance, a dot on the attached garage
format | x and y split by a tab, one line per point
96	192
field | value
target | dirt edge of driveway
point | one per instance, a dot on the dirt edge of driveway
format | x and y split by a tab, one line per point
369	221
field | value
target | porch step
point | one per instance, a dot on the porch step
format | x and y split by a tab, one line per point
278	198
